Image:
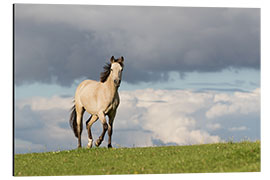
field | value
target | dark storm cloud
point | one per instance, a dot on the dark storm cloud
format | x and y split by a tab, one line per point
54	53
61	43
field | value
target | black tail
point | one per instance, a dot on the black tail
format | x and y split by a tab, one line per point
73	120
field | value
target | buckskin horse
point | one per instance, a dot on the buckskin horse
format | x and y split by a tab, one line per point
100	99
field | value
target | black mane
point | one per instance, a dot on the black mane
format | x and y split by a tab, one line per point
105	74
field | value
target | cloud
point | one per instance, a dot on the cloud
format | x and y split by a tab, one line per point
213	126
61	43
184	116
168	114
42	103
38	127
144	118
26	146
242	128
239	102
26	119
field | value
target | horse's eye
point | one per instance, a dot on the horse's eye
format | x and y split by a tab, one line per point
111	69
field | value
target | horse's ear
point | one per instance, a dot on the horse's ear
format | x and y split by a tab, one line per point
121	59
112	59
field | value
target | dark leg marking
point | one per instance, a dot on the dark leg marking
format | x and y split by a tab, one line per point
101	137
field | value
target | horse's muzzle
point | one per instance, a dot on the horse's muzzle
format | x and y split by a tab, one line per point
117	82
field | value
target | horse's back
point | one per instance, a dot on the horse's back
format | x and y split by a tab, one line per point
83	85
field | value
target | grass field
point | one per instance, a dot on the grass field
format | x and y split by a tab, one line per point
221	157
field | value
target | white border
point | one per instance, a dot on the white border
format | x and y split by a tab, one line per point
6	80
190	3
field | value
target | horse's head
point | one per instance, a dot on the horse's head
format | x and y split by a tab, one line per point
116	70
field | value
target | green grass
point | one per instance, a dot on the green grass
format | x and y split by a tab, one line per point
221	157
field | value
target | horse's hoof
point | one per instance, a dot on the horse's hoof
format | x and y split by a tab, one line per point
97	144
109	146
89	145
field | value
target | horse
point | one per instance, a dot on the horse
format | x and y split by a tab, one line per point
99	99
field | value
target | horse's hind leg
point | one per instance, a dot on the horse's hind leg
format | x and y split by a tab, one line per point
105	127
89	123
80	111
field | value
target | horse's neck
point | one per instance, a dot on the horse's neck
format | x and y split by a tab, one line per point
110	87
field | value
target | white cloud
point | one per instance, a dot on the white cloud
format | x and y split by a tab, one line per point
239	102
183	116
170	116
41	124
167	114
42	103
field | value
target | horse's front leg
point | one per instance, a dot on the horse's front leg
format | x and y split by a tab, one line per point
89	123
110	128
102	118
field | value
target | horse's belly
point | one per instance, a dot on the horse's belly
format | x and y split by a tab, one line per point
91	109
94	107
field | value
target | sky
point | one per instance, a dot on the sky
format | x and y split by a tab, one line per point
191	75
